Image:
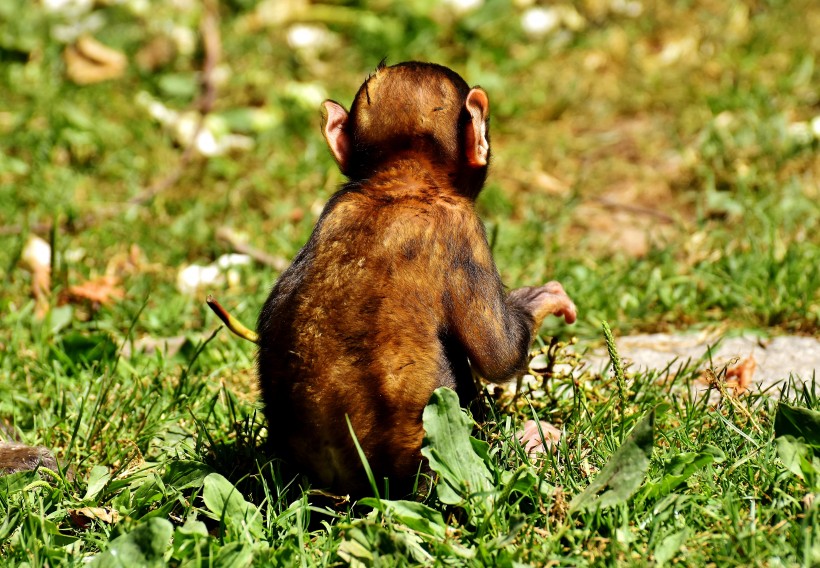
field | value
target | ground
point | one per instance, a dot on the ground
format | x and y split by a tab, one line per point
659	159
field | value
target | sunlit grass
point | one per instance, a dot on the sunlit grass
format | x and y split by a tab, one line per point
662	165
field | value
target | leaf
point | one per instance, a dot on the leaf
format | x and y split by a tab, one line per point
83	516
624	472
417	516
186	474
102	290
682	466
798	458
59	318
366	543
235	555
143	546
89	61
227	504
98	477
798	422
16	482
192	527
670	546
449	450
742	375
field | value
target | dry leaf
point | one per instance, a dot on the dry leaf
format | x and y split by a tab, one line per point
82	517
126	263
89	61
158	52
101	290
530	437
742	373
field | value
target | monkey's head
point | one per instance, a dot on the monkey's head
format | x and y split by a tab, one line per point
411	109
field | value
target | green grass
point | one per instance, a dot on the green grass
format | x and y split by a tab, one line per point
662	167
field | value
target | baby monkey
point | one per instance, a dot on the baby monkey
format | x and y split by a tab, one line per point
395	293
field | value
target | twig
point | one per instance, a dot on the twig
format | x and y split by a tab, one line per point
277	262
231	322
212	46
632	208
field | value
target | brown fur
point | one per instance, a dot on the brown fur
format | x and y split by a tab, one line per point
396	292
18	457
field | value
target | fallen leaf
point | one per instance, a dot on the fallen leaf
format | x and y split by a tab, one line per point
158	52
125	263
101	290
530	437
89	61
742	373
82	517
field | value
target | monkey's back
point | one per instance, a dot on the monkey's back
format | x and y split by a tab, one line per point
357	327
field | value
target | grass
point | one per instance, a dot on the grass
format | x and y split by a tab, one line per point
663	167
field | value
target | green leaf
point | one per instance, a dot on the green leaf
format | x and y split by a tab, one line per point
226	503
670	546
98	477
186	474
181	85
417	516
191	542
60	317
235	555
798	422
449	450
680	467
192	527
624	472
367	543
143	546
798	458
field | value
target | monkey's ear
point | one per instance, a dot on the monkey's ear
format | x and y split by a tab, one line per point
477	145
334	120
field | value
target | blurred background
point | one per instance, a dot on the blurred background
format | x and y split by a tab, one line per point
658	158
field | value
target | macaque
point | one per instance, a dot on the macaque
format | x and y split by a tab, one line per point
396	292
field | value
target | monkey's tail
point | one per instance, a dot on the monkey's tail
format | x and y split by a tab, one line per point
231	322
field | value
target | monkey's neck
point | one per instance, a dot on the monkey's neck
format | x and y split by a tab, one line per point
407	171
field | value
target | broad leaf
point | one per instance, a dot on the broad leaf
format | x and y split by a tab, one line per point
186	474
624	472
798	458
143	546
450	452
666	549
681	467
227	504
98	477
417	516
798	422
